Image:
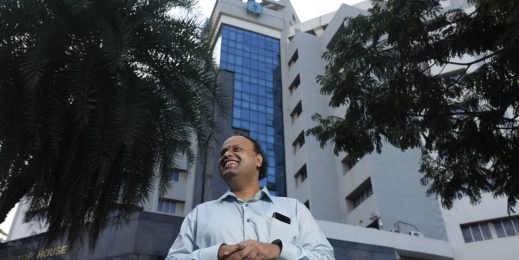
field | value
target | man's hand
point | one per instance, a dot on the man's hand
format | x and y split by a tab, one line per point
227	250
249	250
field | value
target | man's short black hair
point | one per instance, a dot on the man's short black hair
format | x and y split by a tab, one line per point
264	164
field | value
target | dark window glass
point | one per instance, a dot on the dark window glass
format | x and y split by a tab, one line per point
485	230
509	228
476	233
467	236
498	225
246	54
167	205
516	224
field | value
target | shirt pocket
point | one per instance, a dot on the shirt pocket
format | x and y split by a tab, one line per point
283	231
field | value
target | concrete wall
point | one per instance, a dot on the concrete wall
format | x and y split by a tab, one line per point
464	212
400	196
320	188
404	245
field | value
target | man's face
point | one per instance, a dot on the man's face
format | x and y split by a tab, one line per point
238	159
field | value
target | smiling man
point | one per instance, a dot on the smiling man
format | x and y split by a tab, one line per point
247	222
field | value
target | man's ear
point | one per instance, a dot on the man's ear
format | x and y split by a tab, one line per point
259	160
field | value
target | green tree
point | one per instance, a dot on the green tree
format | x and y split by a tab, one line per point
94	95
466	124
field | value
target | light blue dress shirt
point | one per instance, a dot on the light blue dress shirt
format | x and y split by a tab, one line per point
231	220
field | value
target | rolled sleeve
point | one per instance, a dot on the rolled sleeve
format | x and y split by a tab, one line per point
289	251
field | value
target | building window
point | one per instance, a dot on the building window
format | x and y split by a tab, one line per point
476	232
360	194
490	229
167	205
299	141
507	227
348	162
174	175
301	175
271	185
295	84
296	112
294	58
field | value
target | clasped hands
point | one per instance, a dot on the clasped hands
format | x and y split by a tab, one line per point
250	250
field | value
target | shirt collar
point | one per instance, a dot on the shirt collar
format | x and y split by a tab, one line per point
263	194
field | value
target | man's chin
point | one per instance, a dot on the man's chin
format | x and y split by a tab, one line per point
228	173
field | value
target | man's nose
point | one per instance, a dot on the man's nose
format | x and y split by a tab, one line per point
227	153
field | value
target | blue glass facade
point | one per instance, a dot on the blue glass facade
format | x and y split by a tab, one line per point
257	107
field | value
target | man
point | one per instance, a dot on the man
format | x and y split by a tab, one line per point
247	222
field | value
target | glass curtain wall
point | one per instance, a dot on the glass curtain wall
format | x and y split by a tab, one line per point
256	108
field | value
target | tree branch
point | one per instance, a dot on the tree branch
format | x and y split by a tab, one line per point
469	63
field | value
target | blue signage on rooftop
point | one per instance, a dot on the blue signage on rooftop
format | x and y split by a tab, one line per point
254	8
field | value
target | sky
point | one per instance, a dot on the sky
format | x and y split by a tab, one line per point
305	9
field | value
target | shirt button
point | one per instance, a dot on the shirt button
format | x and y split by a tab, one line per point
246	205
248	220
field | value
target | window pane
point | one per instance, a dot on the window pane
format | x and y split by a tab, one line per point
476	233
174	175
173	207
486	231
160	207
166	206
499	229
467	236
516	224
509	228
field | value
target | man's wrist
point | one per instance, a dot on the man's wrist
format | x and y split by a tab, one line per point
278	243
220	253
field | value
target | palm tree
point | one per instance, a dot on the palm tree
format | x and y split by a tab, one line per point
93	95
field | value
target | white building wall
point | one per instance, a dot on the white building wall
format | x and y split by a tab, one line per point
463	212
20	228
411	247
321	188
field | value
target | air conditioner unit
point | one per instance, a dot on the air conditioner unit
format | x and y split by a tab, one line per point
416	233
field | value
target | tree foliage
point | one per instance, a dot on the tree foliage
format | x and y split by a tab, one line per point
93	95
388	69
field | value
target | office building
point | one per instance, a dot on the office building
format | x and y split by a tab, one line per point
370	208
